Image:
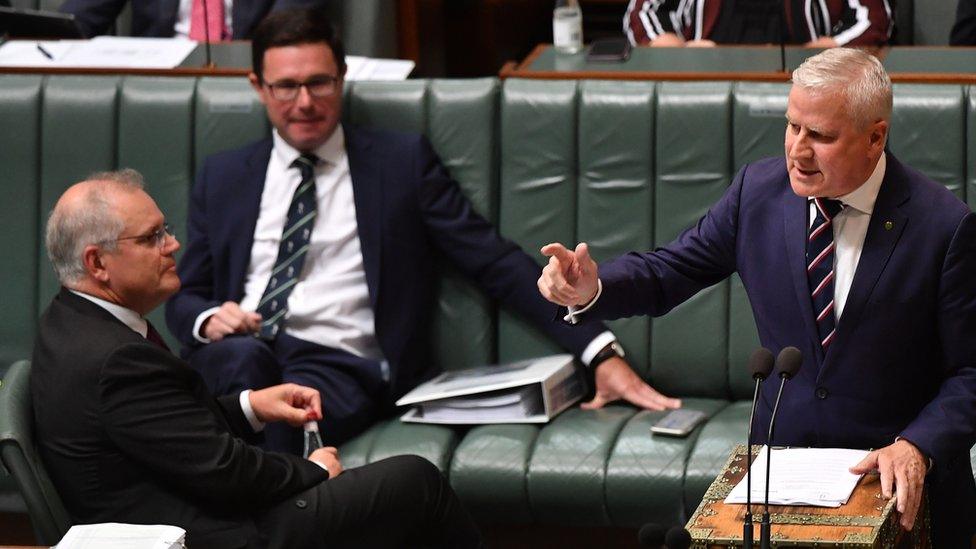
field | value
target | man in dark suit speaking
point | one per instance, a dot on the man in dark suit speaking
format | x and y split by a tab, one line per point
323	240
864	264
130	433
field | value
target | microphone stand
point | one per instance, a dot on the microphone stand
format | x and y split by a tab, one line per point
764	528
747	529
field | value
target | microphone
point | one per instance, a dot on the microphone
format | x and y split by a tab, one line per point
760	364
787	364
206	35
677	538
651	535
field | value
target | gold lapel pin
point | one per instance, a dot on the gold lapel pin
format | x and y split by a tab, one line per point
888	225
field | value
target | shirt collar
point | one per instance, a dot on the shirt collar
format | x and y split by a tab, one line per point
863	198
126	316
331	151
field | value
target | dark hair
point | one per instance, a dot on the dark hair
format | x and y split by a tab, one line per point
292	27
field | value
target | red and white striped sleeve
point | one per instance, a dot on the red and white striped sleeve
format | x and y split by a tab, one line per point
863	23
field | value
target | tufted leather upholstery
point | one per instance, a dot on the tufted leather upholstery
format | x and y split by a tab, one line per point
622	165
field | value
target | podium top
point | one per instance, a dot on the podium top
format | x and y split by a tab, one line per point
868	520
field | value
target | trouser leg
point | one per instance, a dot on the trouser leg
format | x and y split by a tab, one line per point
403	501
236	363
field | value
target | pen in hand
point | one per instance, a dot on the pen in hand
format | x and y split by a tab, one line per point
46	53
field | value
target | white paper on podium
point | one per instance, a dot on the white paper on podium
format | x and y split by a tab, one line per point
115	535
802	476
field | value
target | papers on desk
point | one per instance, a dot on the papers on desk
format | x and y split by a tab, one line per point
369	68
802	476
115	535
529	391
113	52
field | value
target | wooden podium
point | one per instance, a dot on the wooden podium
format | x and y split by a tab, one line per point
866	521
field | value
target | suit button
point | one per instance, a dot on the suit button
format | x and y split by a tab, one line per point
301	503
821	393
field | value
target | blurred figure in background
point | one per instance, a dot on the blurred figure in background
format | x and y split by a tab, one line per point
814	23
964	30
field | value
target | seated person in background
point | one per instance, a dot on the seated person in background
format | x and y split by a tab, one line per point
341	300
129	432
817	23
964	30
228	19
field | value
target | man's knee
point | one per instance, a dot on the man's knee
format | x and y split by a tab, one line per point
236	363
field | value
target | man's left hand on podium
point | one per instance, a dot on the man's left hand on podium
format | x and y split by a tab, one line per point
903	466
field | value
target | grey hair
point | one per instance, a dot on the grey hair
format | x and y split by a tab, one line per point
857	75
71	229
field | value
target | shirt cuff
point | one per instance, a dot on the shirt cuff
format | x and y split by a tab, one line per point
574	312
599	342
252	419
322	466
201	318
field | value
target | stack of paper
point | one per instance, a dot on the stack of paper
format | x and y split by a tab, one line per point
802	476
115	52
114	535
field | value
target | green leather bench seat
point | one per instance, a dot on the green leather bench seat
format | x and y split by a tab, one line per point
621	165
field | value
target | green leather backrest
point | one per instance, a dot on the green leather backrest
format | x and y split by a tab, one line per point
459	118
620	165
20	108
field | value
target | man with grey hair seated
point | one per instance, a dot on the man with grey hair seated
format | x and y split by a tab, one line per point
864	264
130	433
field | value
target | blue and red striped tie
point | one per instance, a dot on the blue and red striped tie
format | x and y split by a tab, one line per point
820	267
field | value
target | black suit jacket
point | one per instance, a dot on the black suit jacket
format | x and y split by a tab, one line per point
156	18
129	433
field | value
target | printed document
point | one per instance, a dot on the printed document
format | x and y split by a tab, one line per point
802	476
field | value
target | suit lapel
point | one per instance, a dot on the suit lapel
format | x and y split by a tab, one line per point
367	190
887	223
249	187
795	212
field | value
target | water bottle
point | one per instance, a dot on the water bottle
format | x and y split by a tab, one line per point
567	26
312	439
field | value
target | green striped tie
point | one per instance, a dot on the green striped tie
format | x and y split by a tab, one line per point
291	251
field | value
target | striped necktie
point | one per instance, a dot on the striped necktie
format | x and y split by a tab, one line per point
820	267
291	251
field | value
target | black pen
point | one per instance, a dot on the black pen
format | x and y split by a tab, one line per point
46	53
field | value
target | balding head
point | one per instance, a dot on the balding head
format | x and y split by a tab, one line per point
85	215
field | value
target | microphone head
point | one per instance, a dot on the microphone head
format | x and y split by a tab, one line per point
761	363
651	535
788	362
677	538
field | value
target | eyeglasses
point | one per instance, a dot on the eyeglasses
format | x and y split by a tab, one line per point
318	87
156	238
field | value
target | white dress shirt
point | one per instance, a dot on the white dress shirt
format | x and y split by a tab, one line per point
330	303
850	227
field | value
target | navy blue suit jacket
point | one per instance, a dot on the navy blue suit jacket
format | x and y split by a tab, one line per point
903	362
156	18
409	212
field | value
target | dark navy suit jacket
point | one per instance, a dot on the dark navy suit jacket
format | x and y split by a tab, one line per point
409	212
156	18
903	362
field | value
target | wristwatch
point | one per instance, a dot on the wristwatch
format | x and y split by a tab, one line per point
612	349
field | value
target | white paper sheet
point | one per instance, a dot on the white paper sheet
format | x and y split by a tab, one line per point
802	476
